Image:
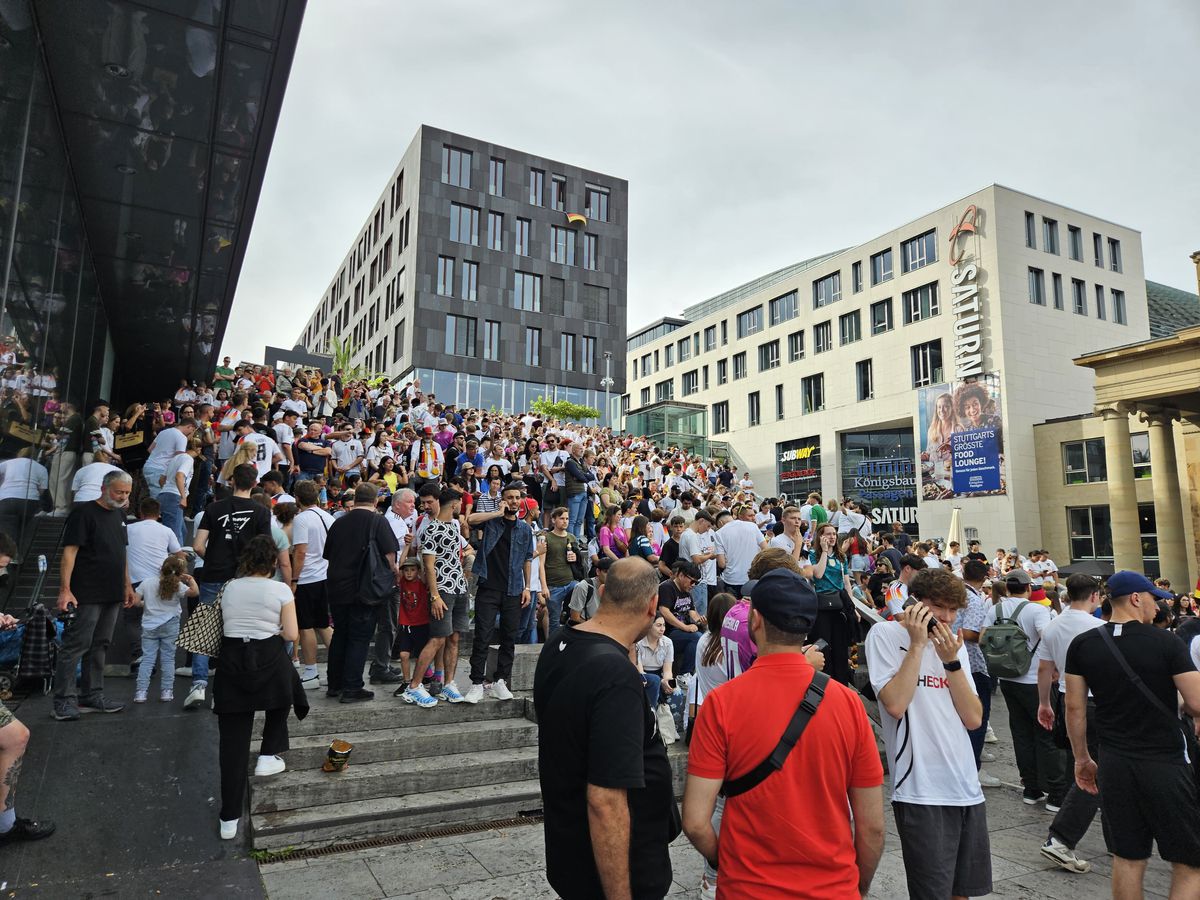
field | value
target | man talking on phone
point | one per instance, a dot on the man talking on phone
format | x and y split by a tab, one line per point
927	705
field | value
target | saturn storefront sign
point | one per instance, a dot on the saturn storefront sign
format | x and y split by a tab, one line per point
967	301
799	467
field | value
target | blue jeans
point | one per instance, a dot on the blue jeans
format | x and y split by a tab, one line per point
575	506
152	475
589	519
700	598
172	514
685	649
208	594
560	597
653	689
527	629
983	686
159	642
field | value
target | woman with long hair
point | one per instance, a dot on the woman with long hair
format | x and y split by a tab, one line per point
528	463
259	617
386	474
640	543
835	612
243	453
942	424
612	539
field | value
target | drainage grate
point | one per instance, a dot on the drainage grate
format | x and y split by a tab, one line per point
529	817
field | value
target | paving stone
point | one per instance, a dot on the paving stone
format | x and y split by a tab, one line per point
521	886
426	867
327	878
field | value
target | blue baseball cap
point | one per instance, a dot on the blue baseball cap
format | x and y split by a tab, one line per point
1122	584
785	600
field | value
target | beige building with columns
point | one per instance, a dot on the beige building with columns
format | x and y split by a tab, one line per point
1123	483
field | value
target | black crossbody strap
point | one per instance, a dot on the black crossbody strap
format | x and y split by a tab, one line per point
773	763
1135	678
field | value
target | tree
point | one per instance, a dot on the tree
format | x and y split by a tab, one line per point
563	409
343	351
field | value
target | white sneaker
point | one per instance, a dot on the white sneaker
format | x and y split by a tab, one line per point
475	694
990	736
228	830
184	671
987	756
195	697
311	684
269	765
500	690
708	889
139	696
1056	851
986	780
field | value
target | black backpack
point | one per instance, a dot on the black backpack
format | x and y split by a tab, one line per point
376	581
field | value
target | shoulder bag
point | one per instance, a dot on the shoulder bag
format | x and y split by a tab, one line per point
376	581
773	763
204	629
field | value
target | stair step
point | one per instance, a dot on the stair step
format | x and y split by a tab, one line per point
309	787
336	823
329	717
416	741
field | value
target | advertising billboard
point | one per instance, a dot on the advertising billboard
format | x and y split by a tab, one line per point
799	467
962	439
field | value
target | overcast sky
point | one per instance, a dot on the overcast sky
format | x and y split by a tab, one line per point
753	134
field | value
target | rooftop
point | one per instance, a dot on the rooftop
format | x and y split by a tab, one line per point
1170	309
728	298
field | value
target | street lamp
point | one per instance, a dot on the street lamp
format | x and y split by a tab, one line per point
606	382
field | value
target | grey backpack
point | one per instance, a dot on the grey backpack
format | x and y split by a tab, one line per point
1005	646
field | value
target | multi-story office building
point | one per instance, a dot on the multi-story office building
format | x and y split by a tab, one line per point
493	275
845	373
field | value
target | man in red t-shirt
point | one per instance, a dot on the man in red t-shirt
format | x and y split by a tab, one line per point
791	836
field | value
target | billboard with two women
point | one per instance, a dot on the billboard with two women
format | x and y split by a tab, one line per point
962	439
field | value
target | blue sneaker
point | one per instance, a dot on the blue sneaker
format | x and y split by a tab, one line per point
450	693
419	696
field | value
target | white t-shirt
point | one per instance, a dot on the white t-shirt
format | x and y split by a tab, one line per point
158	610
929	750
739	543
284	434
1033	621
24	479
297	406
654	660
1195	650
852	521
692	542
169	443
311	527
150	542
346	452
182	463
265	453
711	677
89	481
782	542
1057	637
250	607
552	458
228	436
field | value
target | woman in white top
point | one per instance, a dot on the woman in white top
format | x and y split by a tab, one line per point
259	616
654	656
23	481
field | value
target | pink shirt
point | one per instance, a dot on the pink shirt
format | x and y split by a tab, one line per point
737	644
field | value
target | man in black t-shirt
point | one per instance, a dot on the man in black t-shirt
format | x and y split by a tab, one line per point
1150	791
94	585
610	810
976	552
684	624
670	548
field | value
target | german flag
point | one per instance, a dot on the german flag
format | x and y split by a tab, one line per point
577	220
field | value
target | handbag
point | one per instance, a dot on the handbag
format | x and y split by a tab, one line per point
579	568
376	581
827	600
666	724
204	629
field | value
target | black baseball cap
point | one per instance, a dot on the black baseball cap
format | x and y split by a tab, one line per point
785	600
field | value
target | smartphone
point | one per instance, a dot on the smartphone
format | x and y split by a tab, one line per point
821	644
932	624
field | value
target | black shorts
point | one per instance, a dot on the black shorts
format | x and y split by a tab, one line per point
312	606
1145	801
946	850
411	639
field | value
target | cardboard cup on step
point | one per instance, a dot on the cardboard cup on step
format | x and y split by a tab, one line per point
337	757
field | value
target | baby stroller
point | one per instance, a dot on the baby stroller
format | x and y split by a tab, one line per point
29	650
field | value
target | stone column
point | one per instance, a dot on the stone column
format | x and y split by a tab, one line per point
1122	492
1168	502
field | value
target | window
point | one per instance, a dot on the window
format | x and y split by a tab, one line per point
590	251
1114	254
398	341
768	356
704	376
597	203
587	355
696	343
881	316
562	245
1118	301
495	231
1075	239
464	224
533	346
722	371
720	417
827	290
753	409
445	282
456	166
1058	291
470	281
665	390
823	337
537	180
655	360
724	332
881	266
710	338
1091	532
566	346
1079	297
739	365
522	235
491	340
920	303
1037	286
1098	249
645	396
856	280
795	346
812	393
1083	462
690	383
1101	312
527	291
850	328
460	336
670	355
918	252
779	402
784	308
864	378
558	192
646	365
1030	230
496	177
750	322
927	363
1050	235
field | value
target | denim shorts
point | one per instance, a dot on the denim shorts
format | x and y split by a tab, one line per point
455	619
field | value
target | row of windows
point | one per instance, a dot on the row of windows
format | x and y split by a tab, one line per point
527	294
1084	461
464	229
462	333
1074	242
456	170
1079	296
